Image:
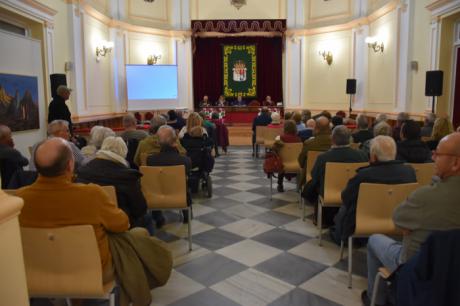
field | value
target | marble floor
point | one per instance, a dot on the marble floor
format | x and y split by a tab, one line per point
248	250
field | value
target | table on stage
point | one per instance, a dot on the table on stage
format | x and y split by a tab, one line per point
240	114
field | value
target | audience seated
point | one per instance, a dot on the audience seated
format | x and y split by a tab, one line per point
411	149
320	142
306	115
340	152
441	128
239	101
363	132
110	168
336	121
289	136
276	121
60	128
428	123
53	200
383	169
11	160
169	155
221	132
194	119
382	128
205	102
307	133
402	116
287	115
130	129
297	117
176	122
429	208
380	118
97	135
151	145
221	101
268	101
263	119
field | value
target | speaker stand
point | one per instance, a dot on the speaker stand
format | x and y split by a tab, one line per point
349	108
433	104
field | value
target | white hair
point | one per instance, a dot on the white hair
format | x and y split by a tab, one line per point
98	134
383	148
116	145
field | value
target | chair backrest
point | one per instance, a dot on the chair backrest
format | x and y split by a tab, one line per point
62	262
144	156
289	154
10	191
375	206
164	187
311	159
271	133
424	172
260	133
111	192
336	179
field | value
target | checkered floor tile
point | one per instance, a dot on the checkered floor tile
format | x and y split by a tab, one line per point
250	250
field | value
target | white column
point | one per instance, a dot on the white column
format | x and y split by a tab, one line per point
184	64
293	73
360	62
299	14
185	14
291	14
434	51
175	6
118	74
403	94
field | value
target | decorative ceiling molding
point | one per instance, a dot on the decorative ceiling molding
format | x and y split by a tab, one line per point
444	7
33	8
239	26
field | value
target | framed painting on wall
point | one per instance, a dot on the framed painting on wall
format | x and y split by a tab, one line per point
19	102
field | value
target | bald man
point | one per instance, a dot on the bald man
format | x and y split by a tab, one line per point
11	160
54	201
321	141
430	208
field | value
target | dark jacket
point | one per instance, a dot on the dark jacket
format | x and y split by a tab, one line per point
390	172
430	278
125	180
199	151
426	130
413	151
361	136
59	110
11	161
339	155
305	134
261	120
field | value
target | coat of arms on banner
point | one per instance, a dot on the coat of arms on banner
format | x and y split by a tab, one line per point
239	71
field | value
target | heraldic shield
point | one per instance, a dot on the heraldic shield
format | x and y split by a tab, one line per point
240	70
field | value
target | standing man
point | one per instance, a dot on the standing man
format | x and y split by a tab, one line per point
58	109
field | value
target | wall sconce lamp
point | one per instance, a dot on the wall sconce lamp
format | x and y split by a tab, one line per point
374	44
327	56
153	59
104	48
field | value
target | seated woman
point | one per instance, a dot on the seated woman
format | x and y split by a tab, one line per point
276	121
289	136
194	119
442	127
97	135
109	167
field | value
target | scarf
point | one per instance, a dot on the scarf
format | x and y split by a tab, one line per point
109	155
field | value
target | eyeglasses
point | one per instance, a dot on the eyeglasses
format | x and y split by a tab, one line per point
436	153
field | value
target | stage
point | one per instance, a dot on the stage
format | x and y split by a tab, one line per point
237	115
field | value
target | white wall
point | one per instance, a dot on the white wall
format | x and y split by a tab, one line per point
20	55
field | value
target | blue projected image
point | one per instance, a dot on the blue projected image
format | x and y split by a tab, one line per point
151	82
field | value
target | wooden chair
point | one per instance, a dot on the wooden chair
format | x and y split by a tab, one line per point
311	159
289	154
270	135
374	212
64	262
384	274
335	180
424	173
165	188
260	134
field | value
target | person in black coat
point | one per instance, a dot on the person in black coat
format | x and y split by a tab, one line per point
58	109
363	132
411	148
110	168
169	156
383	169
11	160
263	119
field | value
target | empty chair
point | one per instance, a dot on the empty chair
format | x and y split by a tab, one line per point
165	188
335	180
64	262
374	212
424	172
288	154
270	135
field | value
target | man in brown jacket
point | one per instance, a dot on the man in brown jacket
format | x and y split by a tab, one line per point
321	141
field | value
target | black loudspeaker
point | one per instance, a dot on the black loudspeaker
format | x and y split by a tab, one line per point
351	86
56	80
433	84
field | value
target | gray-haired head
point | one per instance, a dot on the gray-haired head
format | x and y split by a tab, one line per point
63	90
382	128
381	118
129	121
430	118
362	122
383	148
115	145
155	124
166	136
56	127
402	116
341	135
98	135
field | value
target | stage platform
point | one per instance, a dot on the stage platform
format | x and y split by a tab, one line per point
240	134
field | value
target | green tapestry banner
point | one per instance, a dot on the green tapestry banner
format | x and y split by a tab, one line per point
240	70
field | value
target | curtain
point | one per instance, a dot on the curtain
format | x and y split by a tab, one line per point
208	68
